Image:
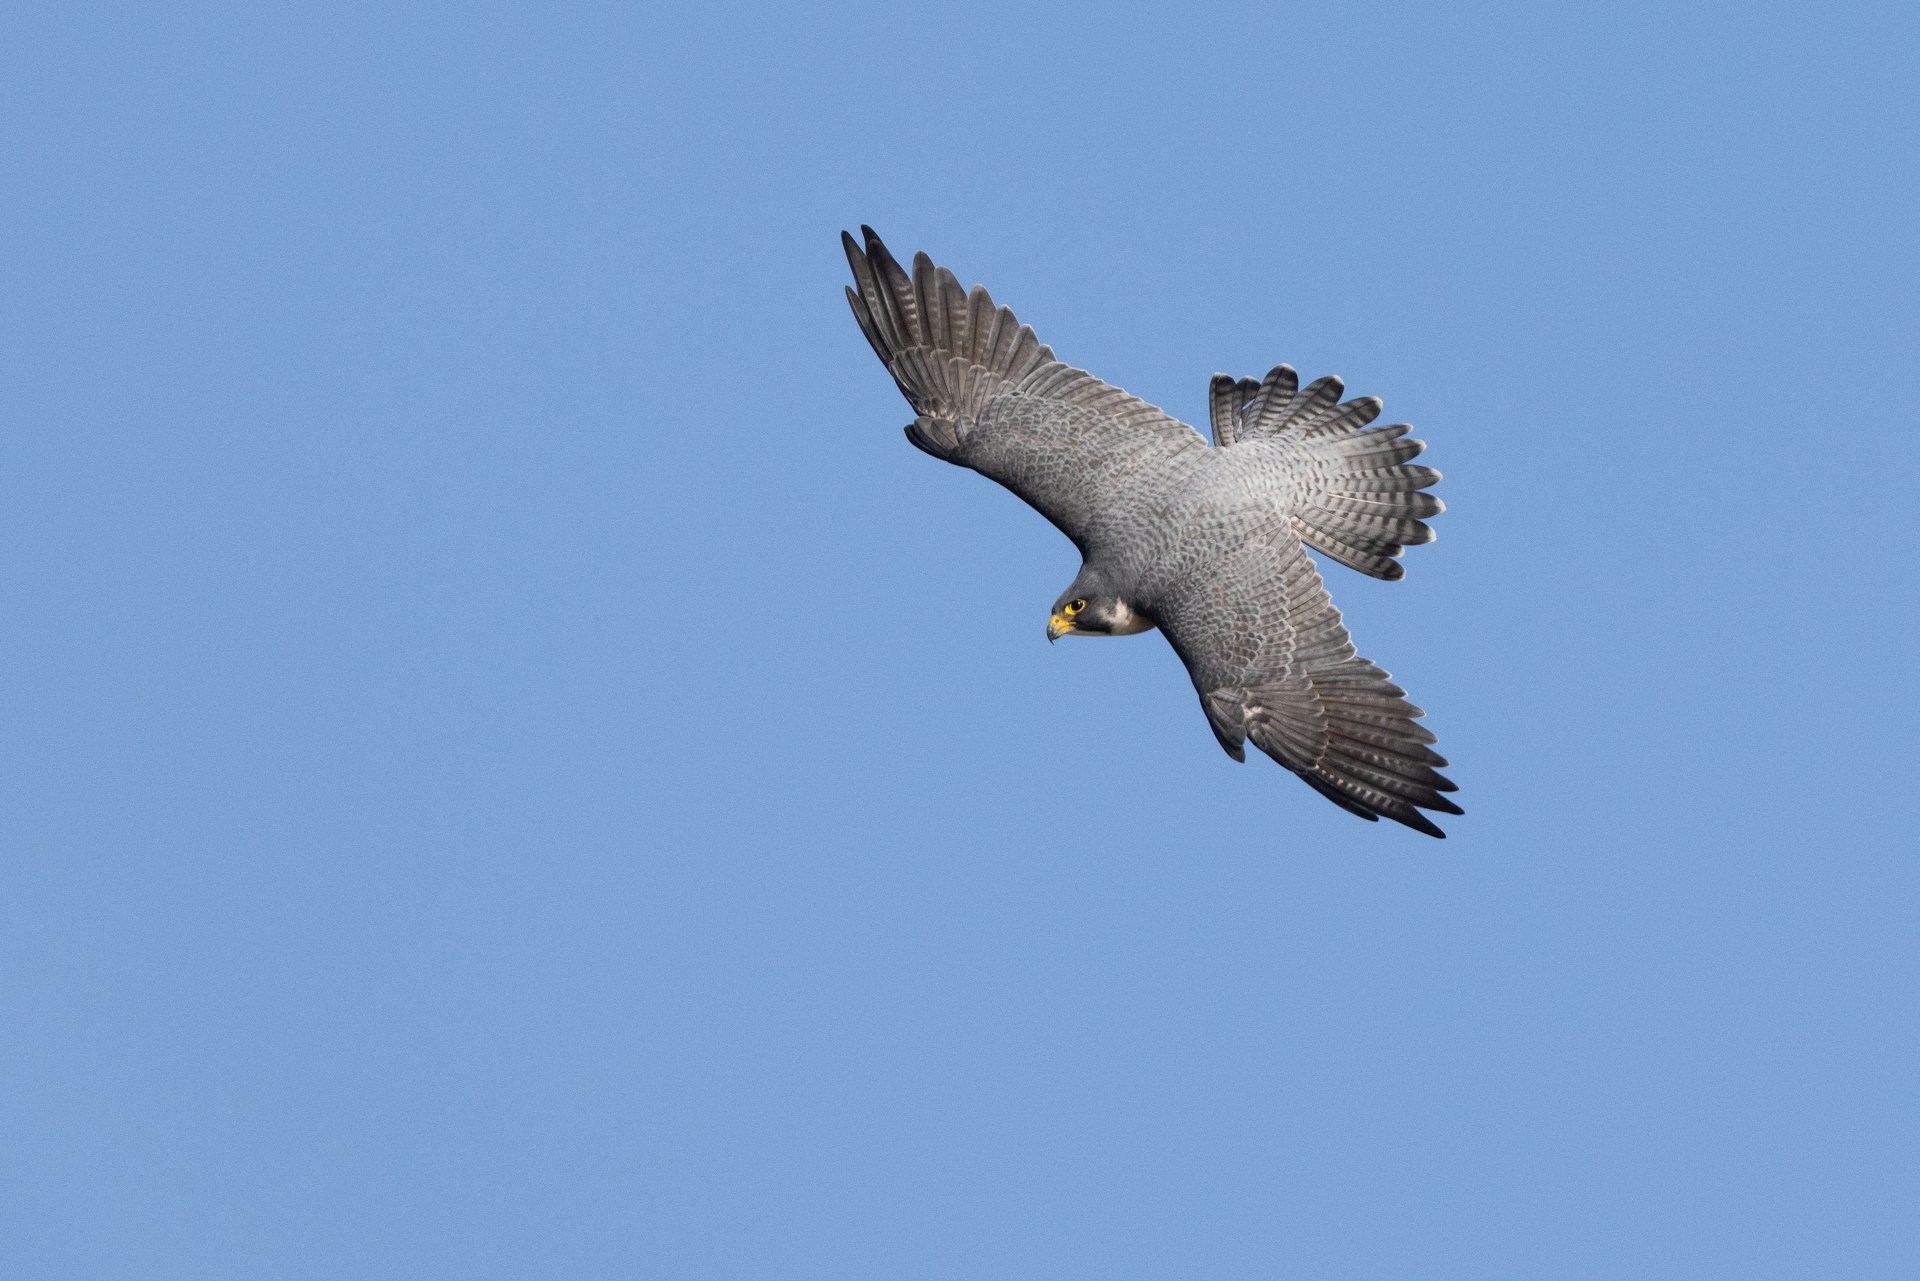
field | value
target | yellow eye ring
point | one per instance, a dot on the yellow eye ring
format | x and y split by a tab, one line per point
1074	607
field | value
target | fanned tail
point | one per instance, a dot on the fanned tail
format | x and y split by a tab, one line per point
1364	501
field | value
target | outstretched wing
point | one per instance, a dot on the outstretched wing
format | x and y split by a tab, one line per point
992	397
1273	663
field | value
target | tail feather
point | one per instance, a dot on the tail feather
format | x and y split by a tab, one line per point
1375	559
1297	412
1364	502
1343	419
1391	480
1263	414
1369	503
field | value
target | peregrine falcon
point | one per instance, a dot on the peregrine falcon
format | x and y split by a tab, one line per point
1205	543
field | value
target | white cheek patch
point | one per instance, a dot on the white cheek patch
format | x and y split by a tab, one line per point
1126	622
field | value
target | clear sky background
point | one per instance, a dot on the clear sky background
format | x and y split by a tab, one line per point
513	767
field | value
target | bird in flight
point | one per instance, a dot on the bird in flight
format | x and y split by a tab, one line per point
1205	543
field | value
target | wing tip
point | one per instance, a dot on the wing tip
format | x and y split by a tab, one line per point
1419	822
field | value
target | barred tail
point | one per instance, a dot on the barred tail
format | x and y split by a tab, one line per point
1365	499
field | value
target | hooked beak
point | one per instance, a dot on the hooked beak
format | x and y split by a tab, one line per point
1058	627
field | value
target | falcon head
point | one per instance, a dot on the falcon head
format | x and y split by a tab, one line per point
1088	609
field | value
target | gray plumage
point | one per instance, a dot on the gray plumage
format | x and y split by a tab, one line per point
1205	543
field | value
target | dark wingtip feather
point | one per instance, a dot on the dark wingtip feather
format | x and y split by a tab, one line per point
1418	822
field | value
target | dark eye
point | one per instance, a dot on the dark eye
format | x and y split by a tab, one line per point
1075	606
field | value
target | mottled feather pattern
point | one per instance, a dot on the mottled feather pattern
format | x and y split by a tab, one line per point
1206	542
1286	676
1358	503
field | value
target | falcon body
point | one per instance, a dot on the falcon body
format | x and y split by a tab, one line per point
1207	543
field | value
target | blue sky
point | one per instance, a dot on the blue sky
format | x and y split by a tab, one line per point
514	768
